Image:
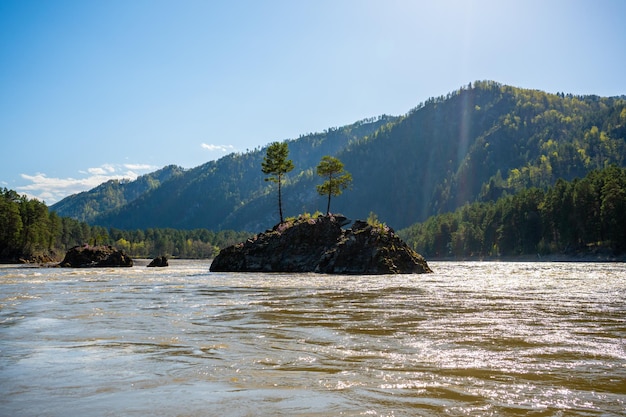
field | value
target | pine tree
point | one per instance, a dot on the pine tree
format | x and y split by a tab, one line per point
338	179
276	164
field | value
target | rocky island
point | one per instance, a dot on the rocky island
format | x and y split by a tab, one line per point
87	256
321	245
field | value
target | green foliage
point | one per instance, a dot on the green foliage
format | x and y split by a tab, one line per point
275	162
373	221
569	216
304	216
11	221
338	179
277	165
197	243
28	229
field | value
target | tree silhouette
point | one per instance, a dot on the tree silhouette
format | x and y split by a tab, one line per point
276	164
338	179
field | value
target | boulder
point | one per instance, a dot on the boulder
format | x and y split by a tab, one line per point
42	259
321	245
159	262
95	256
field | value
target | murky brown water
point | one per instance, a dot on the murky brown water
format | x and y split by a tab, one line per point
478	339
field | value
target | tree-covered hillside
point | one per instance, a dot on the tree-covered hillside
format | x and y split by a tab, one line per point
113	194
582	216
209	195
29	232
474	144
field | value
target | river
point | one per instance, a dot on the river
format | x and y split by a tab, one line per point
472	339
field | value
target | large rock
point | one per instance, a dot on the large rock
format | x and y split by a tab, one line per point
321	245
95	256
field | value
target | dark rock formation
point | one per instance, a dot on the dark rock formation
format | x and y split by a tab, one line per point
321	245
95	256
42	259
159	262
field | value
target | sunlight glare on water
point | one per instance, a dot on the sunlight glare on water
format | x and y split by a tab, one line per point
473	338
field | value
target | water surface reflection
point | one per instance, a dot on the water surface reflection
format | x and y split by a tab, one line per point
471	339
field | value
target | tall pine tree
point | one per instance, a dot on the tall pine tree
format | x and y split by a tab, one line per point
276	164
338	179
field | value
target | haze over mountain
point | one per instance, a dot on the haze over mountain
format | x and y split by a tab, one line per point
472	144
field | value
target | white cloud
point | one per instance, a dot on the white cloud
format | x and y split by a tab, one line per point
220	148
140	167
101	170
97	171
51	190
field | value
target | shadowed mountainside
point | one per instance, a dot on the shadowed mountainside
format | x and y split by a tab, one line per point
474	144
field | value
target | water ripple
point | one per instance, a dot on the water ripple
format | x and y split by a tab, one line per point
478	339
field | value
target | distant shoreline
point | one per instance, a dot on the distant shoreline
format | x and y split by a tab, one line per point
587	258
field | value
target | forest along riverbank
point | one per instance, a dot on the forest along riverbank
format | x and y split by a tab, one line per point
473	338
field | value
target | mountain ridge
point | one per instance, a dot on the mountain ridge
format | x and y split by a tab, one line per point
475	143
86	205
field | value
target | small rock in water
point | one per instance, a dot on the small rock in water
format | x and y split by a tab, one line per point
159	262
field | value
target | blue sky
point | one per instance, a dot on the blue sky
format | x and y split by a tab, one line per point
92	90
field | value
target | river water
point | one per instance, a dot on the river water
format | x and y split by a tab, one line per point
472	339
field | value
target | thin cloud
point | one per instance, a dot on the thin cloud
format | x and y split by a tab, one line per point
101	170
139	167
51	189
97	171
220	148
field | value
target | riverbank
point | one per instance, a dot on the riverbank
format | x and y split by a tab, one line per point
535	258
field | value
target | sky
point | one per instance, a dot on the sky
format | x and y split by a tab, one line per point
92	90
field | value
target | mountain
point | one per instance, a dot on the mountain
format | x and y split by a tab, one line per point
205	196
111	195
474	144
478	143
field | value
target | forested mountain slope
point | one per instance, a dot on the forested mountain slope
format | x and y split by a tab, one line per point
474	144
478	142
113	194
203	197
584	217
